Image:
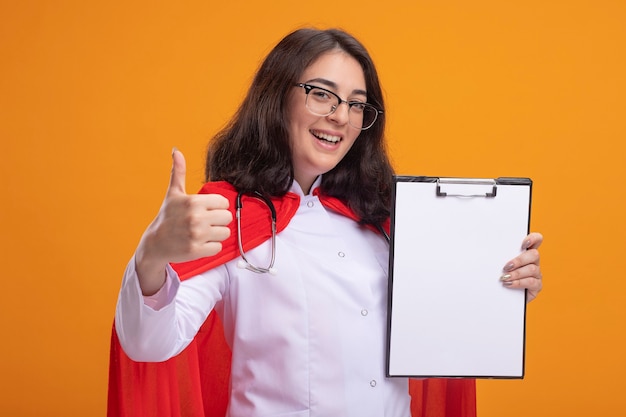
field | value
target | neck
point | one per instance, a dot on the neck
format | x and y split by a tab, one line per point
306	184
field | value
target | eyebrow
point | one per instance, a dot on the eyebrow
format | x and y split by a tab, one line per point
334	86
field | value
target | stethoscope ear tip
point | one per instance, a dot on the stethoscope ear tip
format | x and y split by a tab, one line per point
273	271
241	264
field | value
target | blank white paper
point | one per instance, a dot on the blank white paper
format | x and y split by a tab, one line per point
450	316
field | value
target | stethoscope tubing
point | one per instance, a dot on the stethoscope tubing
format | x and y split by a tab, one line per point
246	263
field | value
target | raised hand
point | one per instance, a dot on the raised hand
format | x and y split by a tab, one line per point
187	227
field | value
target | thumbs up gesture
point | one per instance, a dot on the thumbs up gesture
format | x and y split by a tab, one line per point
187	227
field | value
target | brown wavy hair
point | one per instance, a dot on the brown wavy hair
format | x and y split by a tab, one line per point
253	153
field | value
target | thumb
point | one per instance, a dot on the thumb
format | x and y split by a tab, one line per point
177	177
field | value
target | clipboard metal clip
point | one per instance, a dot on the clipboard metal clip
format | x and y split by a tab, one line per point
466	187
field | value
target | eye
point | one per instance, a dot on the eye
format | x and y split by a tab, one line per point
358	106
320	95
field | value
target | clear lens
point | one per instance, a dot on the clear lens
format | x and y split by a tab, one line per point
367	115
321	102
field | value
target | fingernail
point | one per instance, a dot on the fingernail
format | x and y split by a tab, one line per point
174	149
509	267
526	244
505	277
507	283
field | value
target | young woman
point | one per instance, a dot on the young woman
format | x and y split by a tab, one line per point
304	311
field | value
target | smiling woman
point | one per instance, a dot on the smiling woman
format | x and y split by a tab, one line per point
317	322
319	143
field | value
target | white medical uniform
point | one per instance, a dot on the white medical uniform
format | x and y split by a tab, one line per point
307	341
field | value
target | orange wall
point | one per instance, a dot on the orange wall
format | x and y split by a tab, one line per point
93	95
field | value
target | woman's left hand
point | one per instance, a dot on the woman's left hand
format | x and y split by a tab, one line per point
524	271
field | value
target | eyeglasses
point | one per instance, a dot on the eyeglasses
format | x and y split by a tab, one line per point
323	102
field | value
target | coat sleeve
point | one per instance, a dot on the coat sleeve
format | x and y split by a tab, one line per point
156	334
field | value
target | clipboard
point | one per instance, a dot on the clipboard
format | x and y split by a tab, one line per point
449	316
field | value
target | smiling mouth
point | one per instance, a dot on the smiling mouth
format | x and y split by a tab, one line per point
326	137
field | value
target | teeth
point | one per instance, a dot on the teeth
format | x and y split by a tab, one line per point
326	137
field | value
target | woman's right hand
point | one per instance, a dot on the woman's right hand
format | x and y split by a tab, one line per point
187	227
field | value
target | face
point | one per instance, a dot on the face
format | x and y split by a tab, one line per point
318	143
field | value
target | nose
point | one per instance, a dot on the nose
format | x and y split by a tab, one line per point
341	114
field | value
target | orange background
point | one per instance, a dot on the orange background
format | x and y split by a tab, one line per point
93	96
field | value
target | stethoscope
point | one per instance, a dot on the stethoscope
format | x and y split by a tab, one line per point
244	263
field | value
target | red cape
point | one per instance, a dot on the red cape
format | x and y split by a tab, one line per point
195	382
